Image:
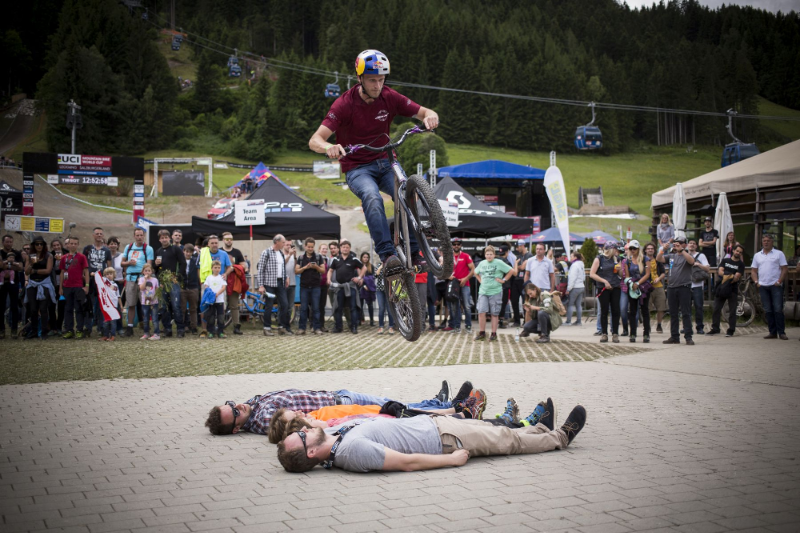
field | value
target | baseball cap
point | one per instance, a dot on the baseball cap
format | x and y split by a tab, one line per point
521	243
504	249
634	244
456	240
680	238
609	245
709	218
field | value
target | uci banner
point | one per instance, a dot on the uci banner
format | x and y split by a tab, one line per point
554	184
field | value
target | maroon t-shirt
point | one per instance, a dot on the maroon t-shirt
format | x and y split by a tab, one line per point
356	122
72	269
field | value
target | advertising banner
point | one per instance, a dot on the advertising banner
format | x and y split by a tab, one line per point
36	224
249	212
183	183
89	165
554	183
450	212
27	194
10	199
327	170
62	179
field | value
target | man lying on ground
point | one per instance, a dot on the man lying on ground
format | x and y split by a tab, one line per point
255	414
421	443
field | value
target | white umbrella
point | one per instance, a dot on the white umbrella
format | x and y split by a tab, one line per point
679	211
723	223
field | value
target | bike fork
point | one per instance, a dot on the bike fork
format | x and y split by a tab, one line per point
400	219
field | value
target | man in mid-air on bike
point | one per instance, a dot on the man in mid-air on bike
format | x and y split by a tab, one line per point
363	115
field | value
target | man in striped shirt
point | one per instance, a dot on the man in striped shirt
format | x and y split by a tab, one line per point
272	278
255	414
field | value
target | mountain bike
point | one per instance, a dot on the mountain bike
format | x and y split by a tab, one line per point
254	303
748	304
417	210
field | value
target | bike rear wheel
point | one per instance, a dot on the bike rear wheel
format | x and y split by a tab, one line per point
745	311
404	304
429	225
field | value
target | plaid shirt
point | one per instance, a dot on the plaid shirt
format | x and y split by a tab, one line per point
271	268
264	406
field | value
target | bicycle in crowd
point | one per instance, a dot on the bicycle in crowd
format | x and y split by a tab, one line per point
748	303
253	304
416	210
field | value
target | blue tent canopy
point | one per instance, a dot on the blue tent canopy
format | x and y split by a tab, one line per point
600	237
553	235
491	173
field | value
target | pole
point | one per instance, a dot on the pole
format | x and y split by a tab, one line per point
210	176
252	259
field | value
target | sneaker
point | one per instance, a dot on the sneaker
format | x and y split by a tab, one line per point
301	332
624	333
671	341
144	337
168	334
712	333
79	335
222	336
646	339
392	263
524	334
443	324
615	338
456	330
728	334
574	424
317	332
502	324
237	329
380	331
390	331
444	392
537	414
181	334
203	334
493	337
431	329
210	336
102	338
267	332
335	330
68	335
689	342
658	329
475	404
604	338
111	339
549	417
783	337
448	328
481	336
281	331
155	337
469	329
463	392
632	338
543	339
771	336
194	331
700	332
598	333
289	332
511	413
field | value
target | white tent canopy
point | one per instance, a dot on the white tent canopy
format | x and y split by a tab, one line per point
780	166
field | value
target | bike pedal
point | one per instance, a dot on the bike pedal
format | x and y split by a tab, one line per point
394	272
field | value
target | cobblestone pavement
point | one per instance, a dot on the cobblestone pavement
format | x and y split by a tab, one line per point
693	439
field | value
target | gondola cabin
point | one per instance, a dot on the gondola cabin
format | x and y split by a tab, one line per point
588	138
332	90
735	152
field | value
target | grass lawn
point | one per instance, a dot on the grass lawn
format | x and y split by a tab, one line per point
789	129
34	142
180	61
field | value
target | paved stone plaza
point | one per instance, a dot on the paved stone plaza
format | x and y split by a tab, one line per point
703	438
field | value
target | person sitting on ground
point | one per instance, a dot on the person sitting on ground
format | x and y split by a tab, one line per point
541	315
420	443
255	414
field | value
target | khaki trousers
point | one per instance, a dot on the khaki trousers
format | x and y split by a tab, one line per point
233	305
481	438
190	296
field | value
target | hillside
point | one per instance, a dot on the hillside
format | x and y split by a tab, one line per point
785	128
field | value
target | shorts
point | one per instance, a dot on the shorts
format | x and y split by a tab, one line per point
658	299
131	293
490	304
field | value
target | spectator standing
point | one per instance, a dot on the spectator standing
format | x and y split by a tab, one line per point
9	291
769	270
310	266
491	274
518	282
731	270
679	291
345	278
605	272
658	295
56	311
170	258
112	290
190	294
237	258
272	279
637	272
215	314
119	273
74	288
148	292
575	289
99	257
730	244
368	289
177	238
323	285
383	307
463	270
39	293
134	257
665	232
623	289
290	251
708	242
505	254
701	263
539	270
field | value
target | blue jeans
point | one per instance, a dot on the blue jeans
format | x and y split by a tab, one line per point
171	309
455	308
283	306
623	309
110	328
311	293
575	302
357	398
367	182
343	301
383	309
697	301
772	300
150	311
97	311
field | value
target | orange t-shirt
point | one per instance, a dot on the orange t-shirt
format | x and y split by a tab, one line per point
341	411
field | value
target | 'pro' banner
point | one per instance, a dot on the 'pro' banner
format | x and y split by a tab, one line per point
554	184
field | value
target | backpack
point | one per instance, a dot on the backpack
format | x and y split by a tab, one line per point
555	299
453	292
698	274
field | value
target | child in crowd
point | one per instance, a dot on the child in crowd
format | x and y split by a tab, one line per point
110	326
147	292
6	274
216	283
491	274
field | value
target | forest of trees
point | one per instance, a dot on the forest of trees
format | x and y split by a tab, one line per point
671	55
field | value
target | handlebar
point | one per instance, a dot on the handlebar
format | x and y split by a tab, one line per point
353	148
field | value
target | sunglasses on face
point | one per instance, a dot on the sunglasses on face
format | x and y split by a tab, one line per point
302	435
39	244
235	411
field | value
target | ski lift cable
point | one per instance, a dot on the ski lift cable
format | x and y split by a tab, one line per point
286	65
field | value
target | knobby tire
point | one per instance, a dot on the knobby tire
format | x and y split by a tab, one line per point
404	305
429	224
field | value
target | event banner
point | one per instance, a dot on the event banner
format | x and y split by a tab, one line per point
61	179
554	183
138	198
36	224
10	199
89	165
183	183
27	194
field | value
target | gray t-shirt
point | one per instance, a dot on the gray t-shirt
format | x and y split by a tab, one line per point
362	448
680	271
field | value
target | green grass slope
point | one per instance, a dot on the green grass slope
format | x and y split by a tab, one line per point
785	128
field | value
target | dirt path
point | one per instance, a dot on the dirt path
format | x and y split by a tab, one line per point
20	127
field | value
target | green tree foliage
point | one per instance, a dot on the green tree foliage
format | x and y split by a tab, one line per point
417	149
589	252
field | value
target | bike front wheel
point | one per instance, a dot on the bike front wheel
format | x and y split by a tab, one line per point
404	304
429	225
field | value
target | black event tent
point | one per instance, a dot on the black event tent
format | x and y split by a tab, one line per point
285	213
476	218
